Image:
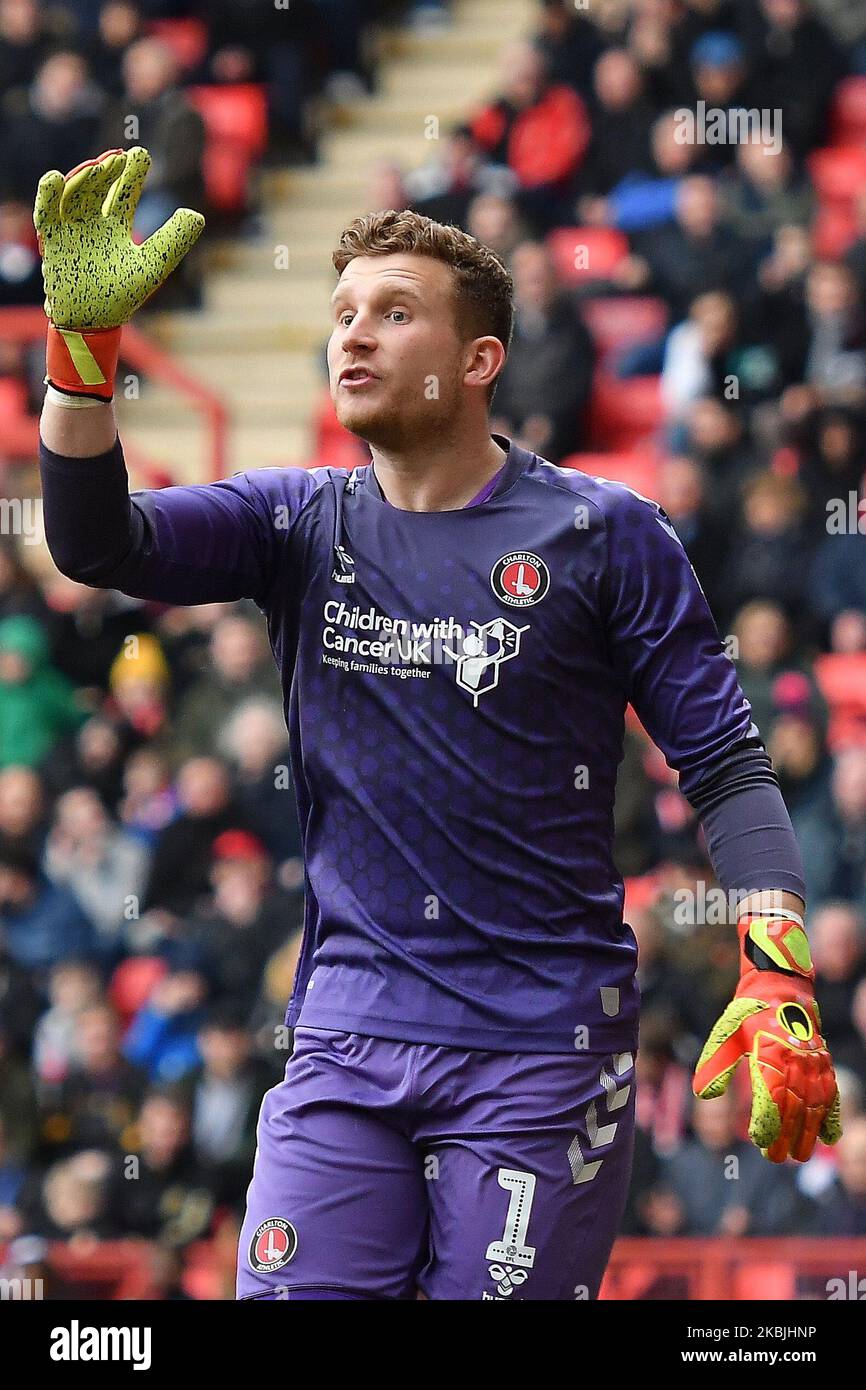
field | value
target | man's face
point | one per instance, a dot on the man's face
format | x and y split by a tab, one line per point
395	357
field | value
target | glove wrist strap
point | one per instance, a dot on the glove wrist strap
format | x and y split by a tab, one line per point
771	941
82	362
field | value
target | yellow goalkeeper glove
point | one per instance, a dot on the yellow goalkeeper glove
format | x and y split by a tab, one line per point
95	276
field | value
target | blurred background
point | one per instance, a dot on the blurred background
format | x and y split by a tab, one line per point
690	320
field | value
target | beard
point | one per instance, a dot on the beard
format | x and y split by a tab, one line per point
398	420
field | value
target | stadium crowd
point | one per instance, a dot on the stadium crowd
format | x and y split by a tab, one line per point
150	864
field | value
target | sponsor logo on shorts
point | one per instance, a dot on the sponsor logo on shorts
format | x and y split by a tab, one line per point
273	1245
520	578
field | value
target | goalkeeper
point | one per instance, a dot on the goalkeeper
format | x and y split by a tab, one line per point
466	989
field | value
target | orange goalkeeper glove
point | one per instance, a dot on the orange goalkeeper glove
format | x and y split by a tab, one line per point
774	1021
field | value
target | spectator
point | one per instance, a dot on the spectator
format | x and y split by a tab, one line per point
664	1092
621	124
94	759
719	78
20	267
837	583
850	1057
445	188
849	800
162	1036
715	437
699	1176
168	1201
89	629
24	42
682	492
149	801
538	128
98	862
836	355
41	923
244	922
765	193
495	220
837	939
255	744
72	1201
699	354
545	384
241	667
37	704
225	1097
53	125
19	1003
640	203
181	863
694	253
843	1209
95	1104
768	561
796	745
18	1116
74	987
22	809
13	1173
763	646
832	463
569	43
795	64
120	24
140	682
167	126
19	592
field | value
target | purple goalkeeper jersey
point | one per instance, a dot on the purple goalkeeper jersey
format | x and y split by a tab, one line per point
455	689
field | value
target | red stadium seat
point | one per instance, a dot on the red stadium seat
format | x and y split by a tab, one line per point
625	414
848	112
841	677
838	173
833	231
187	39
586	253
637	471
617	322
237	114
19	431
236	126
133	983
334	446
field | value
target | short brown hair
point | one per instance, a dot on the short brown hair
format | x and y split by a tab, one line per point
484	289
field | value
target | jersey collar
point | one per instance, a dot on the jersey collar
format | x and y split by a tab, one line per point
516	461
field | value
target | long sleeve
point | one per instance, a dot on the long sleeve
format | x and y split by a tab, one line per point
213	543
666	646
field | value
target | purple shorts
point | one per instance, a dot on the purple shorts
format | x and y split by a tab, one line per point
384	1168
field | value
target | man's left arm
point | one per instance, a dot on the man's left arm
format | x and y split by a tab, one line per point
684	688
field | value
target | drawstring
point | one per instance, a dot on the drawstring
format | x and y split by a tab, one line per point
344	565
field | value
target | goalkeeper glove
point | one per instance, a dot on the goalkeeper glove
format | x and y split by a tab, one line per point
95	276
774	1021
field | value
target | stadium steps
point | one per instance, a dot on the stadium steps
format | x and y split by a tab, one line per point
260	337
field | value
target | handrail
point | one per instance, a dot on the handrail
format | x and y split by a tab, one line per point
27	325
711	1265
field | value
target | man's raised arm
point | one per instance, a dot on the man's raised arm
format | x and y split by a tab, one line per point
179	544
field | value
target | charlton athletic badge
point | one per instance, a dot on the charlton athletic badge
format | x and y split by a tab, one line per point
273	1245
520	579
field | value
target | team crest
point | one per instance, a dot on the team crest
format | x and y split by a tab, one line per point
273	1245
520	579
